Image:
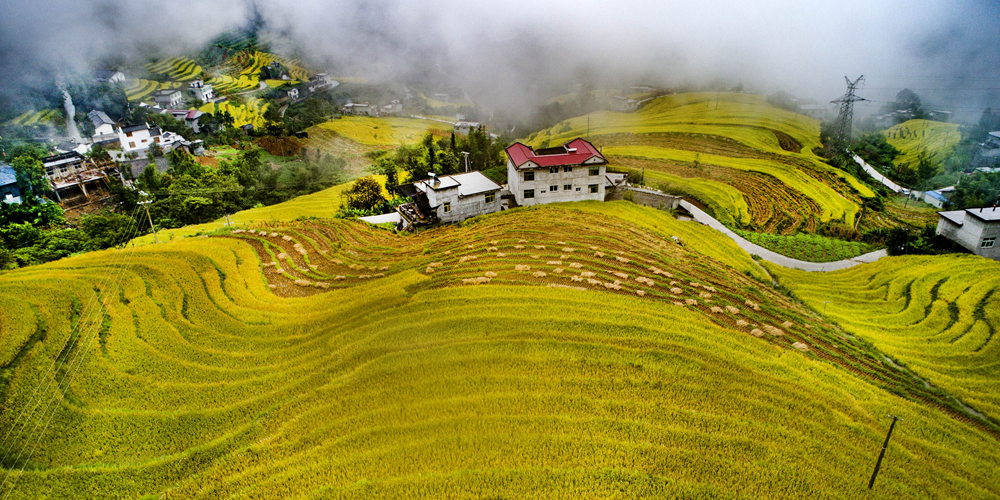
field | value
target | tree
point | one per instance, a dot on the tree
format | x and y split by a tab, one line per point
107	229
30	174
384	164
366	194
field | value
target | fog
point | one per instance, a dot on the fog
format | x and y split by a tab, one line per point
516	53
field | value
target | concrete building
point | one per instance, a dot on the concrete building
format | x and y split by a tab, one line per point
10	192
168	98
201	90
463	127
108	76
138	137
574	171
103	124
293	93
62	165
449	198
190	117
393	108
359	109
976	229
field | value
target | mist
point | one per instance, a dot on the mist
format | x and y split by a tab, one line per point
514	54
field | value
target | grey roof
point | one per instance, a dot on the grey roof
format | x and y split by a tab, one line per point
100	118
988	214
442	182
956	216
134	128
62	158
996	134
165	92
7	175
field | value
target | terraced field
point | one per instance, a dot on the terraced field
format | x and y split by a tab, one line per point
512	356
251	112
712	145
938	315
384	131
181	69
138	89
330	142
36	117
913	138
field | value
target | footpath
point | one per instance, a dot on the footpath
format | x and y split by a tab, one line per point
776	258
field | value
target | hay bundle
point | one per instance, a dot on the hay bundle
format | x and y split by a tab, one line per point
705	295
753	305
365	276
557	270
717	309
470	246
522	267
272	286
679	303
732	310
612	286
598	254
494	243
282	256
786	324
691	302
800	346
554	262
676	291
621	259
429	270
492	249
338	278
435	264
592	281
757	332
640	293
539	274
621	275
576	265
466	258
338	262
501	254
560	243
587	274
519	247
741	323
576	278
302	282
568	249
539	247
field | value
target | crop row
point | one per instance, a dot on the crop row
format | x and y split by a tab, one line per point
809	247
179	69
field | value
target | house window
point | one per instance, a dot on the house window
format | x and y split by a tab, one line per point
567	187
988	243
131	144
595	170
577	189
491	197
567	169
529	175
553	188
129	134
553	170
157	140
593	188
529	193
447	207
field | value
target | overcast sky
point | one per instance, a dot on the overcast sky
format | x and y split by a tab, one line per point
500	50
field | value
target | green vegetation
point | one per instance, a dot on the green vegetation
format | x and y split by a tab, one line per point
936	315
705	141
916	139
808	247
460	362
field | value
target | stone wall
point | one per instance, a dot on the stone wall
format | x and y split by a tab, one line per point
644	196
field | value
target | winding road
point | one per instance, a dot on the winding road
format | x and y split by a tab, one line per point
776	258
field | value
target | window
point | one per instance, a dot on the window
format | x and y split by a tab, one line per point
129	134
577	189
593	188
553	188
567	187
447	207
131	144
529	193
491	197
553	170
567	169
529	175
157	140
988	243
595	170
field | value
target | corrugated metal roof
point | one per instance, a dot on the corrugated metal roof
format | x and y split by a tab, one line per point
7	175
520	154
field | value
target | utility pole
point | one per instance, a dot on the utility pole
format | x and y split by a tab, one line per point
881	454
145	204
845	119
588	127
466	154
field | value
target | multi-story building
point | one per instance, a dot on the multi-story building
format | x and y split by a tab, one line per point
976	229
449	198
574	171
201	90
168	98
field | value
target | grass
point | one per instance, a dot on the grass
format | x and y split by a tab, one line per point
808	247
938	315
219	376
763	152
384	131
322	204
931	139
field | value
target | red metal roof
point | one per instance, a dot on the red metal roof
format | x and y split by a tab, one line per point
520	154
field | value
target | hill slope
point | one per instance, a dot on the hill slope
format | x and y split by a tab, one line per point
748	161
242	367
931	139
938	315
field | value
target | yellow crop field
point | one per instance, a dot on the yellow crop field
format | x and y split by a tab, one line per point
181	69
139	89
939	315
385	131
252	112
36	117
931	139
786	186
559	351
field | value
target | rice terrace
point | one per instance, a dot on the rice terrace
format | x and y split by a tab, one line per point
343	251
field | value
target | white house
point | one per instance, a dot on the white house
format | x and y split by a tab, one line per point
976	229
393	108
108	76
293	93
359	109
449	198
10	192
103	124
168	98
463	127
201	90
138	137
574	171
190	117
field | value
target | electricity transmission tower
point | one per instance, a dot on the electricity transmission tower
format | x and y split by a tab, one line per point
845	119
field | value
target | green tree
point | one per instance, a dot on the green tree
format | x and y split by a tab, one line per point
107	229
30	174
366	194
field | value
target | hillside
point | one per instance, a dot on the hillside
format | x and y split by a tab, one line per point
750	163
931	139
937	315
511	356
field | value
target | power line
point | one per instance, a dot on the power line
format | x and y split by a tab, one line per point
845	119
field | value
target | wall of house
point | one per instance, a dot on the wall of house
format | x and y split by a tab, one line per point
986	230
461	207
579	180
655	199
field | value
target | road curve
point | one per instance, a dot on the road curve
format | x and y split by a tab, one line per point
776	258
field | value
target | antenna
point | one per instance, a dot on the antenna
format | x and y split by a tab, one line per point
845	119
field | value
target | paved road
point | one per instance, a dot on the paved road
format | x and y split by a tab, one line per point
879	177
776	258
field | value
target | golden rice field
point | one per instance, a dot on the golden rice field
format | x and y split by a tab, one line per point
937	315
251	112
510	356
36	117
181	69
370	131
720	143
138	89
915	138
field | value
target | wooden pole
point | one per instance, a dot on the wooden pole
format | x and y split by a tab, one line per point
878	463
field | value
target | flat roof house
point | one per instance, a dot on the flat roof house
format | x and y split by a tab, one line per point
976	229
574	171
449	198
10	192
168	98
